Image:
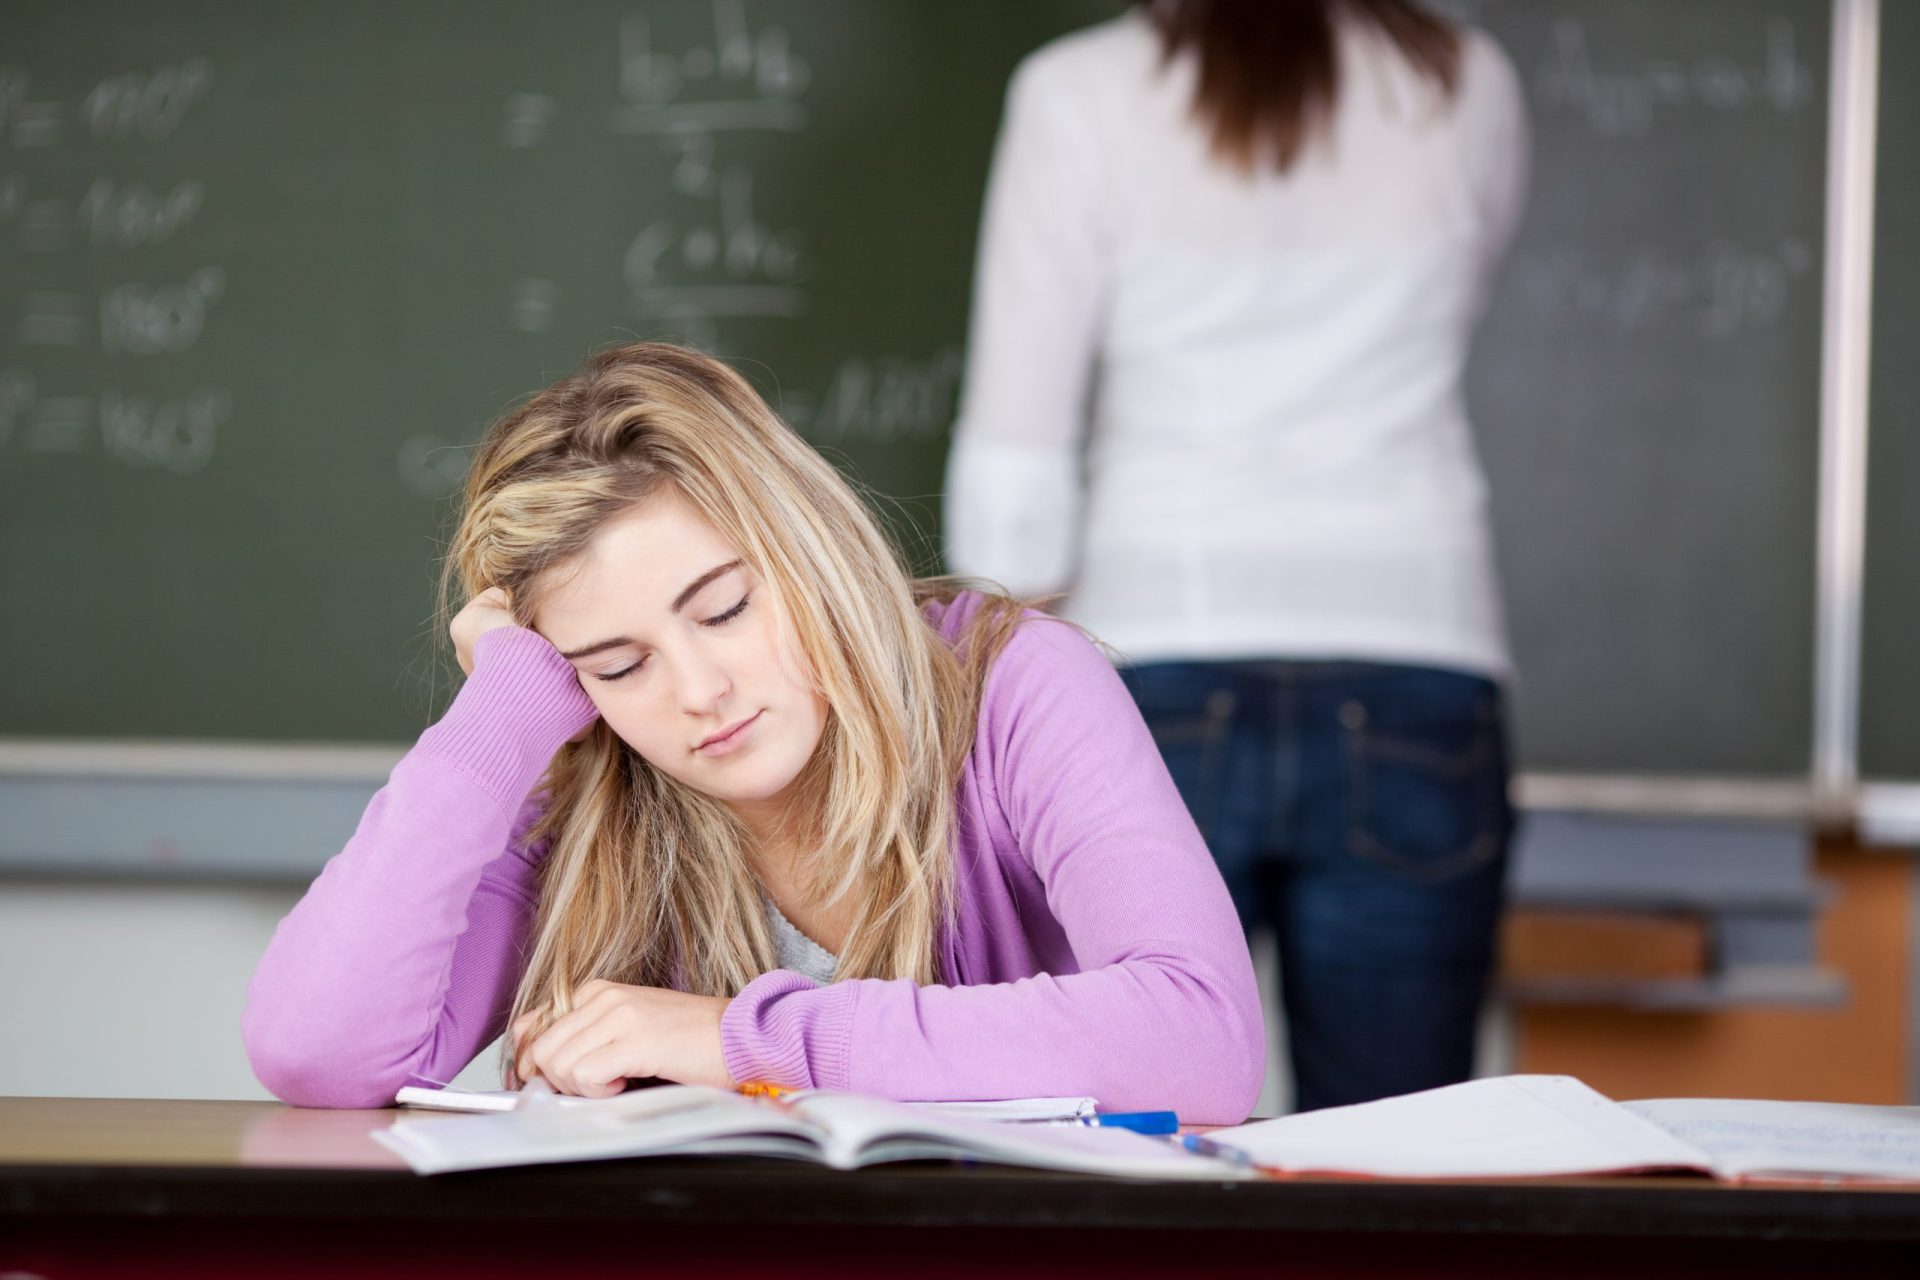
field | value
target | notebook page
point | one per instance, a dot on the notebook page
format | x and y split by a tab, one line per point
1748	1139
1506	1126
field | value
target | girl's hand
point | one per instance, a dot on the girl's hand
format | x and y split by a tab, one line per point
488	611
617	1033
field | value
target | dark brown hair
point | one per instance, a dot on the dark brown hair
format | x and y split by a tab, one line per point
1270	70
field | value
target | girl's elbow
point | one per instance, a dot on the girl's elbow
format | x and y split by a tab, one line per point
1236	1069
1241	1089
1230	1084
302	1072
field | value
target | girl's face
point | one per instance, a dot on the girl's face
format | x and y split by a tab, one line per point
676	642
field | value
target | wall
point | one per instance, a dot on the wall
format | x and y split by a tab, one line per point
132	990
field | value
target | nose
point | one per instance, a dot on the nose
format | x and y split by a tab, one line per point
701	685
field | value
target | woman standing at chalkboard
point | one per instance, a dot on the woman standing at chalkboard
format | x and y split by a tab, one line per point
1268	226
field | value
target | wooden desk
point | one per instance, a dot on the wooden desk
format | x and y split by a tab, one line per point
243	1189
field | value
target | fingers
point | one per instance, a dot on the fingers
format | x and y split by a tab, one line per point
522	1032
517	1029
584	1057
617	1032
602	1072
489	609
526	1032
596	1020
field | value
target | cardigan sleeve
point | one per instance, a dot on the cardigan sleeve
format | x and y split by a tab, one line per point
1013	483
399	963
1164	1012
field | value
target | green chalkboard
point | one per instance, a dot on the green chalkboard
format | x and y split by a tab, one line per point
1890	651
264	271
1646	386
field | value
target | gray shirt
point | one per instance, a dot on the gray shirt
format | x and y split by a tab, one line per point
794	950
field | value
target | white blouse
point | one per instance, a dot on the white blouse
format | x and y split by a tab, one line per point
1279	462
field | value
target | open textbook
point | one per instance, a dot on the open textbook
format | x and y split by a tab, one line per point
1540	1126
842	1130
1505	1127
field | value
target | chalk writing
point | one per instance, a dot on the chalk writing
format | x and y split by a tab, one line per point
1721	290
177	435
1625	100
142	319
729	263
756	67
528	117
145	104
129	214
880	400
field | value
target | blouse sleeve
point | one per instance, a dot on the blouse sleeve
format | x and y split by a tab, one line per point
1164	1012
400	962
1499	162
1013	484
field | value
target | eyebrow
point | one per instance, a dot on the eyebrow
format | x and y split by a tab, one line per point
679	603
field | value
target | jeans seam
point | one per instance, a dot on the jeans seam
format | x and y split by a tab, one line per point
1211	789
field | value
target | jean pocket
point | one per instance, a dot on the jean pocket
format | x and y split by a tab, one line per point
1427	787
1191	724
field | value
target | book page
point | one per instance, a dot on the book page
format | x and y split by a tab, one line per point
1014	1110
865	1130
1794	1140
845	1130
668	1120
1504	1127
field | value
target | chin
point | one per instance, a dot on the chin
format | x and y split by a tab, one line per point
763	785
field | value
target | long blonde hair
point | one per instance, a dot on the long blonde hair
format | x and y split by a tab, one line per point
648	881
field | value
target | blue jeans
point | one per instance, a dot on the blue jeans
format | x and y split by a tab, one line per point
1360	811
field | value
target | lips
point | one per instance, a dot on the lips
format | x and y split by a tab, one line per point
728	737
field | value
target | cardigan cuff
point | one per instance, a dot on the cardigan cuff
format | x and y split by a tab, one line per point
782	1029
520	705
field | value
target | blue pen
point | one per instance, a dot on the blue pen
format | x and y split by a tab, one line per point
1155	1122
1208	1147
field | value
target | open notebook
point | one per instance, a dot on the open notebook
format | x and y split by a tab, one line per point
841	1130
1539	1126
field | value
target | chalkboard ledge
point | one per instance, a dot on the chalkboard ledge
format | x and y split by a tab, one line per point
154	758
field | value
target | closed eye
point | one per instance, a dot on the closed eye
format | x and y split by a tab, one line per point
622	673
718	620
722	619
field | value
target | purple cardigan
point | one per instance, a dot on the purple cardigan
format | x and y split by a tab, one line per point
1095	949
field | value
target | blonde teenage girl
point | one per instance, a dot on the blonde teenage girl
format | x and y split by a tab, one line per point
726	797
